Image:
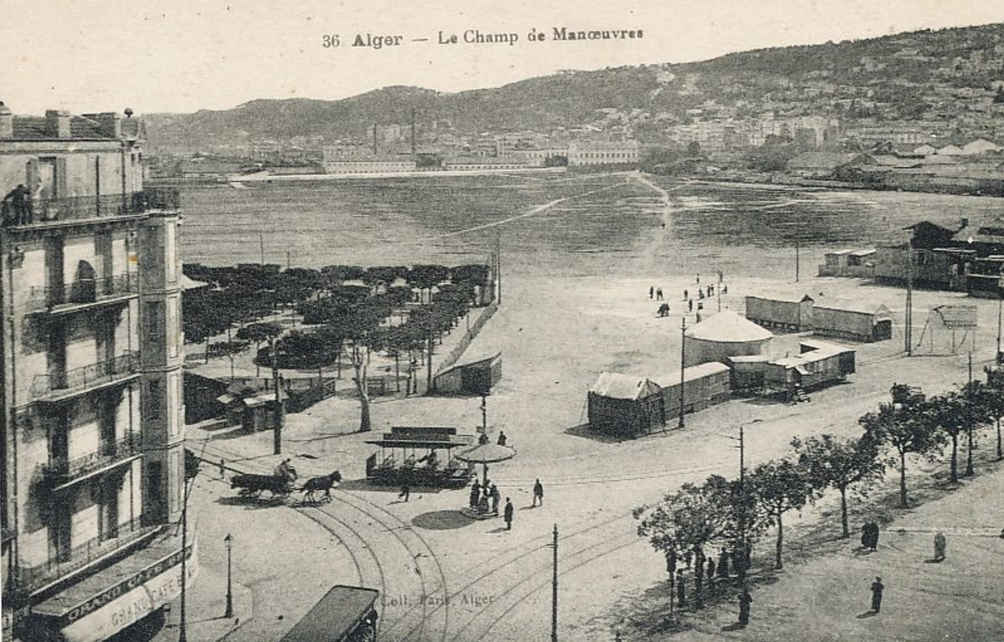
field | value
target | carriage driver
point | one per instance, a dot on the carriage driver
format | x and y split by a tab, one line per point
282	470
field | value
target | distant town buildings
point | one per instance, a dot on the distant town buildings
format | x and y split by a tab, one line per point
93	433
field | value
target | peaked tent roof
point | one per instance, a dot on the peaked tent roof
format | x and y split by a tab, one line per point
728	327
619	386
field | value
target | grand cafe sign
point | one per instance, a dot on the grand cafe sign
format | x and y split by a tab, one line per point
128	601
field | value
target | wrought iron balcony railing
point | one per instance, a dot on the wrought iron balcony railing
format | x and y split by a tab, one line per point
71	208
82	291
81	379
61	469
29	578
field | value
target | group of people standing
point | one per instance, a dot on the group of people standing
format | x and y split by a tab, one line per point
655	293
487	494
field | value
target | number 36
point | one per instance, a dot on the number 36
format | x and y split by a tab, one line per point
330	40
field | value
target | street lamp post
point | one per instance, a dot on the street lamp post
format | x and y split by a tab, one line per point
230	596
484	414
683	354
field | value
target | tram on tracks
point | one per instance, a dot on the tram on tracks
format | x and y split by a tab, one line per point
344	614
420	463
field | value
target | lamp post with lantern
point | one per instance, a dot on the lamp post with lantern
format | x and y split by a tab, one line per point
228	541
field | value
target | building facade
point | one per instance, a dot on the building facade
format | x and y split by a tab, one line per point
93	450
603	153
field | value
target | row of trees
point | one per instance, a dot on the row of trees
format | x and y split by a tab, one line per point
738	512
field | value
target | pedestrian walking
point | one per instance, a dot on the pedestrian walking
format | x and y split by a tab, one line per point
690	305
502	438
538	493
875	536
681	588
496	498
711	290
700	294
405	492
222	469
866	535
939	546
745	600
711	569
698	278
475	494
508	514
658	294
651	291
685	293
723	564
483	439
877	588
725	289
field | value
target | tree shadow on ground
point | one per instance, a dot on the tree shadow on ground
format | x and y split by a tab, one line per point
235	433
587	432
442	520
365	484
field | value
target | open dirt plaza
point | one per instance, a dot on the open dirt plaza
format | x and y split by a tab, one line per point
444	577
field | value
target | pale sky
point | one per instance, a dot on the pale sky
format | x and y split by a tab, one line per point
185	55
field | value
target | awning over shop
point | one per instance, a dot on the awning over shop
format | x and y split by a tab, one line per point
118	595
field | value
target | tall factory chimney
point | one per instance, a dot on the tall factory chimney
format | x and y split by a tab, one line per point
374	139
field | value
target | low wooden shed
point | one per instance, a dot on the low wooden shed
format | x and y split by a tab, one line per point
625	405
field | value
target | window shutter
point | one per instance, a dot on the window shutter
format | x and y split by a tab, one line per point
62	180
31	174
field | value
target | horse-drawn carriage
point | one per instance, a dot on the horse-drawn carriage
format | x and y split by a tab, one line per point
279	485
282	483
420	464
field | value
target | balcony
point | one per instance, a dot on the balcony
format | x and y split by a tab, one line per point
31	578
77	381
57	211
62	472
83	294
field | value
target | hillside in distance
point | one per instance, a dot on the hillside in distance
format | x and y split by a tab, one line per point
901	76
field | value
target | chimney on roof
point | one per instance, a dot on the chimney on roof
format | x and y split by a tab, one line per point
109	122
6	121
57	123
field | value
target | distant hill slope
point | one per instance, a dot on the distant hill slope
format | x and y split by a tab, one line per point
900	71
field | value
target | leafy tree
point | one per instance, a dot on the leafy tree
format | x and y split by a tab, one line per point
688	518
994	401
978	404
903	426
947	412
831	462
259	333
779	487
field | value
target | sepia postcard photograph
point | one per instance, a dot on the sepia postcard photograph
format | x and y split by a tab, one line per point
463	321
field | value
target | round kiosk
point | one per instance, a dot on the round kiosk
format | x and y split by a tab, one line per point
726	334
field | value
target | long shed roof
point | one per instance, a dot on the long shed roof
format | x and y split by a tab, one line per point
690	374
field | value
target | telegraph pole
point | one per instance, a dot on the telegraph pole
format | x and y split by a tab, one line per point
908	330
796	260
1000	301
969	417
277	430
683	354
498	262
554	590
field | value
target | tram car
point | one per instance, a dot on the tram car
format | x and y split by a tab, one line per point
344	614
421	462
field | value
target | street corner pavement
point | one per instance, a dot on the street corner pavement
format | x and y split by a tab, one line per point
205	607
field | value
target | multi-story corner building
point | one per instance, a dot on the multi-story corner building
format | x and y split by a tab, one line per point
90	307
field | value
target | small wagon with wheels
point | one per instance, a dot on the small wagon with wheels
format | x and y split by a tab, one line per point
276	485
